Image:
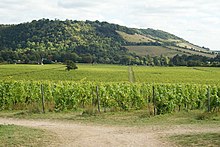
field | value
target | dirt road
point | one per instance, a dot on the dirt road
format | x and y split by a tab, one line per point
80	135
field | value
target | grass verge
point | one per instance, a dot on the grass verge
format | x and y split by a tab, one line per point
125	118
12	135
200	140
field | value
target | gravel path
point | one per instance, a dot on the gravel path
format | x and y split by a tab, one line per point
81	135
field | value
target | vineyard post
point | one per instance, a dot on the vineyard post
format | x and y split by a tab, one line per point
209	109
154	100
97	94
42	98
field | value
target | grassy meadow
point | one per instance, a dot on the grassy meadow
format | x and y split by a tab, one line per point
111	73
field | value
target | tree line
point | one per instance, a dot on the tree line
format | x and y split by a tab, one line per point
49	57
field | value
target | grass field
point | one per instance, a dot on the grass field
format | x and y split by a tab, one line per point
135	37
201	75
111	73
153	51
87	72
169	51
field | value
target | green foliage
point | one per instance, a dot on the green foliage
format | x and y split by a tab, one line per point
61	96
57	40
70	65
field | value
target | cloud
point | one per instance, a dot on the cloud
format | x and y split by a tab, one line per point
76	4
12	4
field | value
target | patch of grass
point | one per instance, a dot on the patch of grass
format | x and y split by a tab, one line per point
125	118
89	111
208	116
200	140
12	135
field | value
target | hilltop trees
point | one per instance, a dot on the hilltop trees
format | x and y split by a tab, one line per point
62	40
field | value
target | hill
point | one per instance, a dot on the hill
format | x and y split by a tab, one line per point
88	41
172	44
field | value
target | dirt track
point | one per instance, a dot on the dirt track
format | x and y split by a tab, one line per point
76	134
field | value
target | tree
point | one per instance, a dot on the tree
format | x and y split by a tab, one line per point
156	61
87	58
70	65
217	58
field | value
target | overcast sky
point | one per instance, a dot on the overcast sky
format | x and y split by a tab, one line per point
197	21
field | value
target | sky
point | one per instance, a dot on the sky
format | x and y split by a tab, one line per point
197	21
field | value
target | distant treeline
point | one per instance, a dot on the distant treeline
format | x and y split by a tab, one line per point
49	57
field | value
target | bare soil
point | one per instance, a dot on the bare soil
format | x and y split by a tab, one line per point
70	134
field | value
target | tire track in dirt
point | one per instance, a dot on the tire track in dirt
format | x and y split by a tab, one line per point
131	76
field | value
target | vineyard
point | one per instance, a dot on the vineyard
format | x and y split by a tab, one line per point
108	96
104	88
111	73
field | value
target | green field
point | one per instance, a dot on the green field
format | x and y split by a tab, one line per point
200	75
57	72
111	73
